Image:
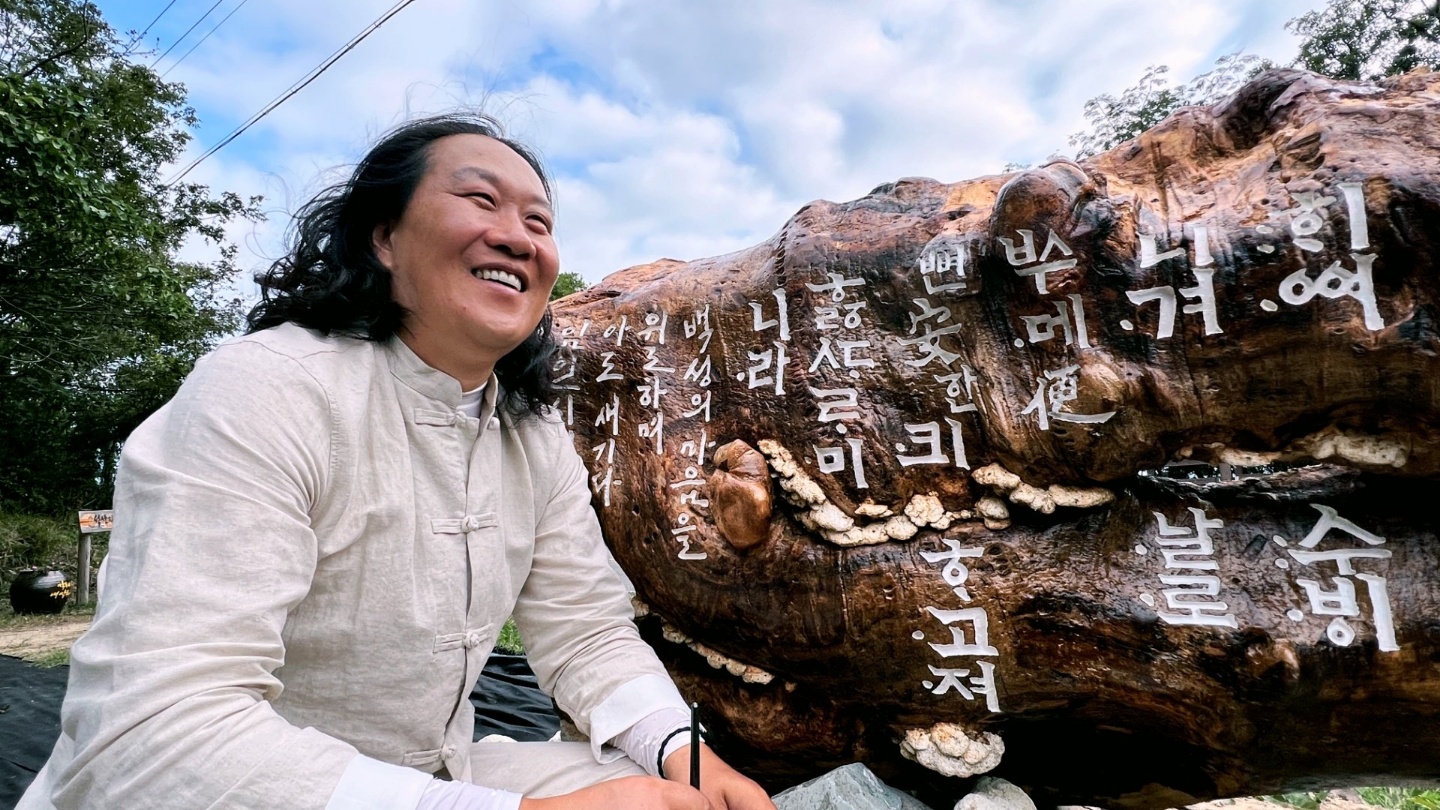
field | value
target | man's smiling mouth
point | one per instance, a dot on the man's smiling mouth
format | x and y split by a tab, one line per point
500	276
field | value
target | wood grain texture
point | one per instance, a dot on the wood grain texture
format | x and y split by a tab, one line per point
954	437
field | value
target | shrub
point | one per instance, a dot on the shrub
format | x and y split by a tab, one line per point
35	540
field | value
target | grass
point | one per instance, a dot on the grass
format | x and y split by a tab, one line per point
1402	798
509	640
10	620
1384	797
41	540
54	658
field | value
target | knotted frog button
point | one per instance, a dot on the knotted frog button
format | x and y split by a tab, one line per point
447	752
472	640
472	523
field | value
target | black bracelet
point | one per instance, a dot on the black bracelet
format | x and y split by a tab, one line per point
660	754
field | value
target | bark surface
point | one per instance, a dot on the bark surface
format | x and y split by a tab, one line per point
891	481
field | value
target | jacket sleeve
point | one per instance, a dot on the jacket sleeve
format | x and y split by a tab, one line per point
168	697
574	613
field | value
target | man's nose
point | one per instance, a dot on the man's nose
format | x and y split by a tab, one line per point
509	234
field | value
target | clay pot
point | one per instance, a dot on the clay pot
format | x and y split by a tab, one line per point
38	591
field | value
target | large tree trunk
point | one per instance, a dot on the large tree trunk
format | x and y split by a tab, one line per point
897	491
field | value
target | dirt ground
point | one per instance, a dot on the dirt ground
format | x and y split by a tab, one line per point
33	638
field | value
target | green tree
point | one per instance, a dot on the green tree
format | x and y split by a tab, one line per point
1114	120
567	284
1347	39
99	319
1368	39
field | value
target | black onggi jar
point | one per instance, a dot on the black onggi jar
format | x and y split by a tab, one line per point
36	590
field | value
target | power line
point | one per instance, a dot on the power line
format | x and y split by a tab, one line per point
202	39
186	34
141	35
294	88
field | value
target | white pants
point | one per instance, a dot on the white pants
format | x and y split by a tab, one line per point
541	769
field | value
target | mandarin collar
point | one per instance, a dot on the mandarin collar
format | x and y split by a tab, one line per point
431	382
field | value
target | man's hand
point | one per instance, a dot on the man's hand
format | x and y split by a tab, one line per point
725	787
630	793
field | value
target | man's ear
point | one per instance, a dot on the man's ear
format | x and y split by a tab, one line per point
380	243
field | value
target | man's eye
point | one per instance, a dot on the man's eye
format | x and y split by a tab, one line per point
482	196
542	222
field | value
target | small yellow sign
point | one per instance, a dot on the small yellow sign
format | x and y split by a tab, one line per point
97	521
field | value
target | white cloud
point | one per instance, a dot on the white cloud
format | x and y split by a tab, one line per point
687	129
635	187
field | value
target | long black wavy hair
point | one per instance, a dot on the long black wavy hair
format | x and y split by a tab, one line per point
331	281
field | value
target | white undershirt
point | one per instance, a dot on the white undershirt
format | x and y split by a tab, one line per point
643	712
470	402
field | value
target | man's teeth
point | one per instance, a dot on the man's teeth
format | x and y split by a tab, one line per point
508	279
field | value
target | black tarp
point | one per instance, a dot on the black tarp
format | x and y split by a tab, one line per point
506	699
29	722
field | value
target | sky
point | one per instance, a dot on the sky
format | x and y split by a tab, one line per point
674	128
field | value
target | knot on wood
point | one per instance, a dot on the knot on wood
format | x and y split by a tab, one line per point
740	487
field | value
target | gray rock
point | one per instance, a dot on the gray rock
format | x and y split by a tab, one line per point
993	793
851	787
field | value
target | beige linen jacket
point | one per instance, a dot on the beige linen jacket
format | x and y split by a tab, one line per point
313	554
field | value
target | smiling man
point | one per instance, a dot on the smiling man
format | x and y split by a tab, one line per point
472	258
319	538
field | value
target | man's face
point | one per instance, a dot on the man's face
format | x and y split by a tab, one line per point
472	257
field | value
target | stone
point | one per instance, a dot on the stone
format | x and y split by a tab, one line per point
953	750
994	793
850	787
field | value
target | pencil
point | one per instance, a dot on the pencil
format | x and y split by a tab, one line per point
695	745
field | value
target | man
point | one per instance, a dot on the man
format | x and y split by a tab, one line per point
319	538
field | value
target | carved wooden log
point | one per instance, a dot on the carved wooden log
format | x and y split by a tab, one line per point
886	483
